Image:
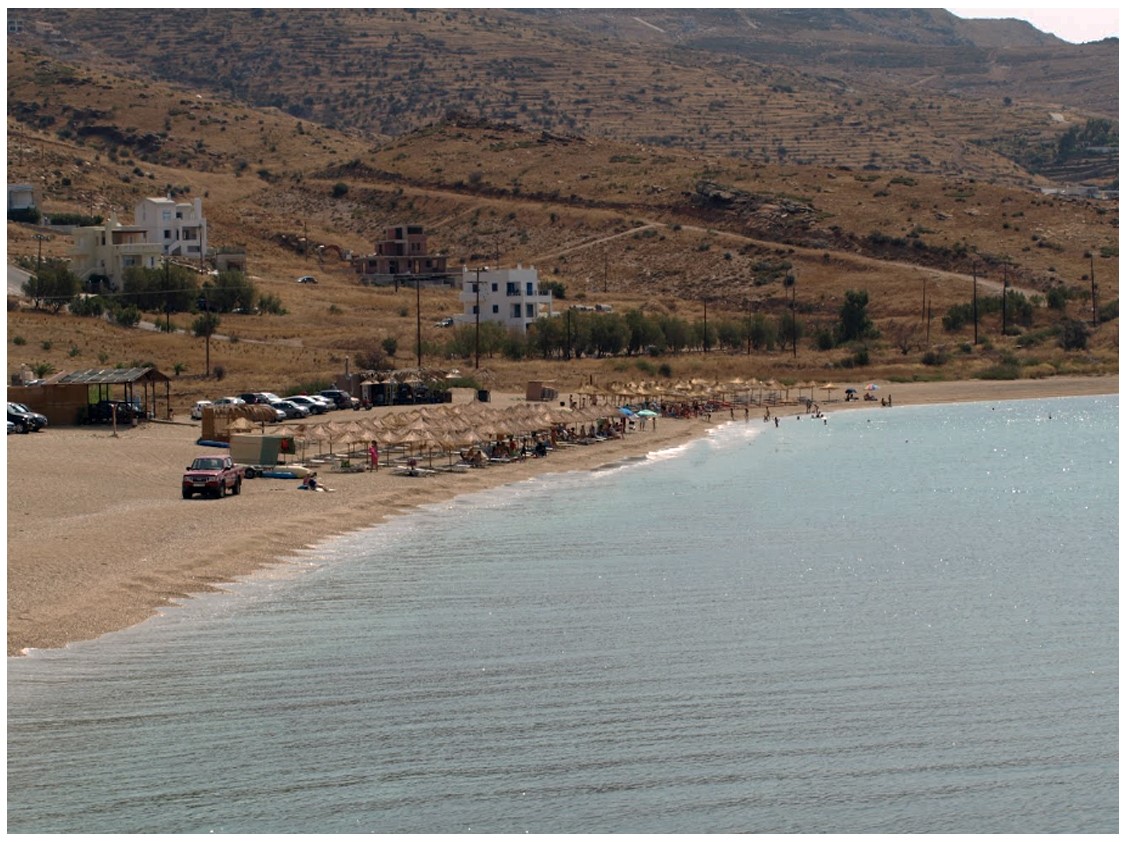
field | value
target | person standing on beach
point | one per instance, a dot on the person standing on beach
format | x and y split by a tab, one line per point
373	457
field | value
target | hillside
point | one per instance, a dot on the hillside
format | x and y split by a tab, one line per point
918	90
667	230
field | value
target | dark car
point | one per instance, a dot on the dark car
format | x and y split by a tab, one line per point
341	398
24	420
38	418
103	412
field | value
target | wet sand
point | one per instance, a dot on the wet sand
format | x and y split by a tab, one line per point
99	537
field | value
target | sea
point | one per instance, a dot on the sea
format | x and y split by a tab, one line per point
890	620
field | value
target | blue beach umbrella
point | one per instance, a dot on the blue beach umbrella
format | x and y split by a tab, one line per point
625	411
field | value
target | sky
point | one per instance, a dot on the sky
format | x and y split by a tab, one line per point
1073	25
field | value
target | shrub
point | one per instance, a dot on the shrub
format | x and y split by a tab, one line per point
18	340
128	316
1074	335
340	189
1108	312
999	371
91	305
28	215
935	356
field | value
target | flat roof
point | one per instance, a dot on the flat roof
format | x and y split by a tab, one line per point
99	376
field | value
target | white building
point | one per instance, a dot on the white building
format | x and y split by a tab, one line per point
21	196
111	248
509	296
179	227
161	228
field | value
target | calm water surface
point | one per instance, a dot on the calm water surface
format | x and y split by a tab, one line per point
904	620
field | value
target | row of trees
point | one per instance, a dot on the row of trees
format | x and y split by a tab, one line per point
170	289
579	333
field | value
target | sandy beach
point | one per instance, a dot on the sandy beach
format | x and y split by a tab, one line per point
99	537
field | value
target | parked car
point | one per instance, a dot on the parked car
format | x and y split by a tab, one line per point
37	419
253	397
325	402
307	279
341	398
211	475
228	400
290	409
103	412
447	322
198	409
11	428
19	419
314	407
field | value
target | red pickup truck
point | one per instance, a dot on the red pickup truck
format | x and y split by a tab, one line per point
213	476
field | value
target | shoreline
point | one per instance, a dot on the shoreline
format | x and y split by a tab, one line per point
100	540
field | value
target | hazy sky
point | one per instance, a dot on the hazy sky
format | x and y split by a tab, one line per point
1074	25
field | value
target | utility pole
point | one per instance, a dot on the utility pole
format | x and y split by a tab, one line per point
705	326
794	325
477	316
1093	281
39	254
974	305
1004	299
418	327
749	303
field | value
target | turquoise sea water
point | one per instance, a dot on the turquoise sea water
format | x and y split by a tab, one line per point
904	620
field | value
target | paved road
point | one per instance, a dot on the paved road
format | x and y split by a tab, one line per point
16	279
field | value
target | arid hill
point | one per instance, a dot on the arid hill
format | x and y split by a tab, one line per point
906	196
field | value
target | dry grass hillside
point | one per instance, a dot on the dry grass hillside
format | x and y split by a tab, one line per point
691	233
919	90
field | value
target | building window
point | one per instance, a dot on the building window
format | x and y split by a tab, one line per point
530	311
511	288
516	312
166	216
493	286
529	288
495	309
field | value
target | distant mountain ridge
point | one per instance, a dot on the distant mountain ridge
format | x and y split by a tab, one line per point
915	89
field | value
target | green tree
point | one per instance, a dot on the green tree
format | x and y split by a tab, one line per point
204	327
853	320
53	285
230	290
167	289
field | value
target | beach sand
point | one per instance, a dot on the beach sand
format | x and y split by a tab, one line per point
99	537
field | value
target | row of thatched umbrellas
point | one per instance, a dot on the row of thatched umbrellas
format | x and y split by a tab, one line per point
445	427
448	427
704	390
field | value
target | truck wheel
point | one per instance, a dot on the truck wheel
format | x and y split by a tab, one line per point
222	490
238	487
250	473
186	493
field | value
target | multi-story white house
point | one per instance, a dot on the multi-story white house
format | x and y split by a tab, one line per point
509	296
179	227
161	228
107	250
